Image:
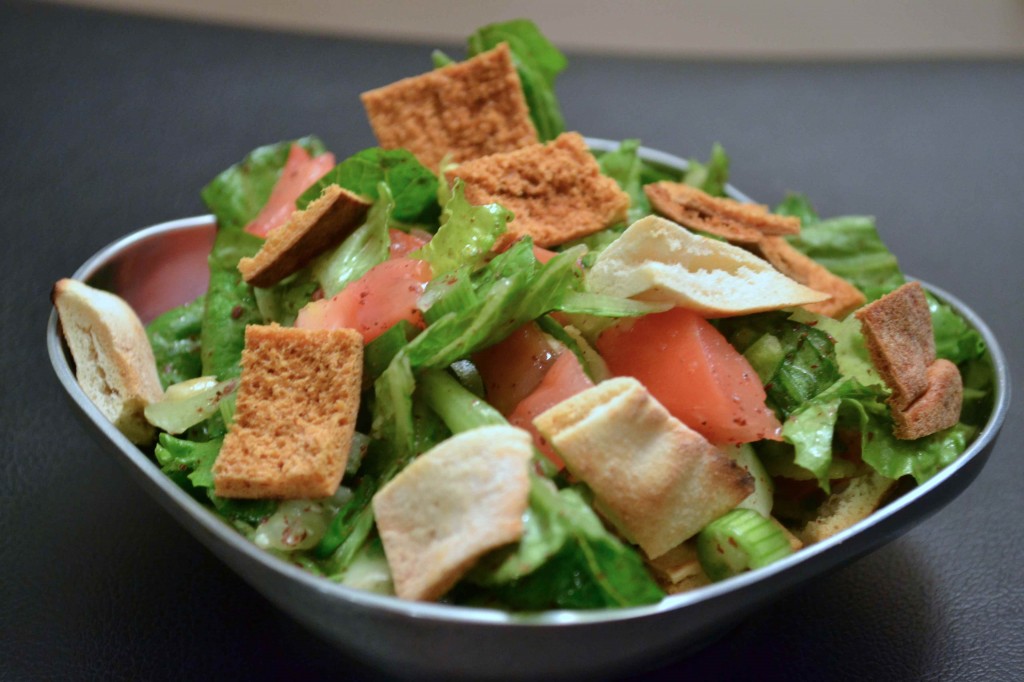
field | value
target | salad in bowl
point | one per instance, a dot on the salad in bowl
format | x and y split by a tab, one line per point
492	363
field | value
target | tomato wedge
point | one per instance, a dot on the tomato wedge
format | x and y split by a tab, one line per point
563	380
299	172
513	367
690	368
375	302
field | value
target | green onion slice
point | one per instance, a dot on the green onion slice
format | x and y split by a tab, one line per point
741	540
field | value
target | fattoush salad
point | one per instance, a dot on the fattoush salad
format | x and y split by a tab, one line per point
484	364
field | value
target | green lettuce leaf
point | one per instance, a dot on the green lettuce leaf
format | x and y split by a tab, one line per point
711	176
795	361
466	235
174	337
413	187
798	206
538	63
625	167
281	303
506	296
850	247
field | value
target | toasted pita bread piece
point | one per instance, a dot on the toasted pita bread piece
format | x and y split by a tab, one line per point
679	570
937	408
845	298
858	500
556	190
322	225
295	414
738	222
657	260
451	505
114	362
658	481
464	110
898	332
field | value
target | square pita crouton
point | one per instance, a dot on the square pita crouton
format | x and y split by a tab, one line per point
556	190
938	407
464	110
294	416
321	226
898	332
451	505
789	261
734	221
658	481
679	570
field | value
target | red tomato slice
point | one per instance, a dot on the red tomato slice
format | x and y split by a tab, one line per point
512	368
373	303
690	368
565	379
299	172
404	243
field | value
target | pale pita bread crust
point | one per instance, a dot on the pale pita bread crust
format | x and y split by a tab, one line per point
656	479
114	362
658	260
451	505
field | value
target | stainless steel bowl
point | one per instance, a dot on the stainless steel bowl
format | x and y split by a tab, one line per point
164	265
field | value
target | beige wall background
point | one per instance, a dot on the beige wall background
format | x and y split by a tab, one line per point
743	29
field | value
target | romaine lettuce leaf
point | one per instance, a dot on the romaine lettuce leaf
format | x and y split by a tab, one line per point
850	247
795	361
711	176
466	235
281	303
538	63
413	187
230	305
625	167
174	337
506	295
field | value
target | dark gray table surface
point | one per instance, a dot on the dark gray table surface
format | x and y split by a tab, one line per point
111	123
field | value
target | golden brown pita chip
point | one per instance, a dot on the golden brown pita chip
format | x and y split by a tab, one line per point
938	407
465	110
845	298
556	190
321	226
451	505
898	332
738	222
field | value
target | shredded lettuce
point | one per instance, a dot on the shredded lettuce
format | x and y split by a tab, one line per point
625	167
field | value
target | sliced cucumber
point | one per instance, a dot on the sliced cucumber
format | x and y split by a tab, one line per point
739	541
